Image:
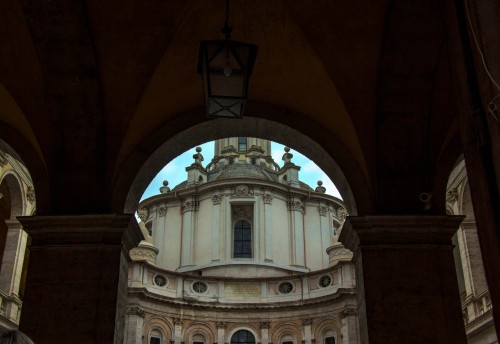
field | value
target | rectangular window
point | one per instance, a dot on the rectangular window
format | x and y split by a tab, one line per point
242	144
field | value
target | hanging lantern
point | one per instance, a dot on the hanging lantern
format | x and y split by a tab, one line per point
226	67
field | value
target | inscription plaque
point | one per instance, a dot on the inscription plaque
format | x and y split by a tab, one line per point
241	290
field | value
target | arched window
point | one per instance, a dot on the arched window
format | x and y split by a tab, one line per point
242	337
242	240
198	339
242	144
329	340
155	337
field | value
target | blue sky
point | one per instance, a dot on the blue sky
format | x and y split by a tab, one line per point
175	171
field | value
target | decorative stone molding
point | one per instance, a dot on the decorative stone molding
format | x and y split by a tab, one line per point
323	211
144	252
242	191
30	194
452	196
264	325
349	312
190	206
217	198
143	214
3	158
307	321
268	198
221	324
162	211
338	253
177	322
341	214
296	206
135	310
242	212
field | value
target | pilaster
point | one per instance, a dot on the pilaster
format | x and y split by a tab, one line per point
405	276
77	277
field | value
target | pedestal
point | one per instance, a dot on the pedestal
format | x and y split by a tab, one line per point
406	282
77	277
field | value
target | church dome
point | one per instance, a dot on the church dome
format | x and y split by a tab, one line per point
243	171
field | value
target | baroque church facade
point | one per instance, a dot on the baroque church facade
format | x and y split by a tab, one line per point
242	252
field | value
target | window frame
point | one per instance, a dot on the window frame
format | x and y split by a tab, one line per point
243	254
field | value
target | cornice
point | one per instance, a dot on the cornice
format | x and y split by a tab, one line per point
146	295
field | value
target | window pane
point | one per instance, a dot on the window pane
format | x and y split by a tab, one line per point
154	340
330	340
243	337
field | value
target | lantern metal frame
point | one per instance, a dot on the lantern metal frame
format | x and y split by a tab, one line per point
226	91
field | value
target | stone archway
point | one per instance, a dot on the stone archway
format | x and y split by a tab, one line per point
248	126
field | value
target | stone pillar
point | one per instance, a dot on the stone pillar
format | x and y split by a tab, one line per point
221	332
308	339
12	263
177	331
77	277
159	227
264	332
216	227
324	221
134	324
189	209
296	210
406	282
268	227
350	326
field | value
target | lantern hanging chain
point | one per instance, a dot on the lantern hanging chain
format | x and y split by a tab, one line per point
226	30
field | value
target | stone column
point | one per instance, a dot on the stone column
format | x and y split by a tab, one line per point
264	332
406	282
134	324
216	230
268	227
12	263
221	332
350	328
177	331
77	277
159	227
296	210
308	339
189	209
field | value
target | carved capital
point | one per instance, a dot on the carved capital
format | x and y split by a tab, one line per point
349	312
177	321
295	206
190	206
162	211
135	310
264	325
217	198
307	321
221	324
268	198
323	211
